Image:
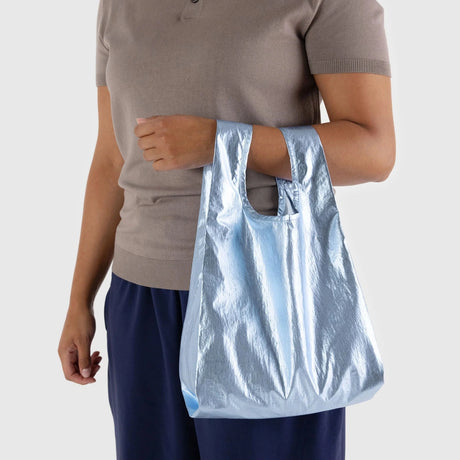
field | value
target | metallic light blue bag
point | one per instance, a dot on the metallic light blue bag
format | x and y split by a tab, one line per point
276	324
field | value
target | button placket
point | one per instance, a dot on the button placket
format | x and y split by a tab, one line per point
192	9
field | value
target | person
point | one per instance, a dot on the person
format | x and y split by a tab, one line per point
165	72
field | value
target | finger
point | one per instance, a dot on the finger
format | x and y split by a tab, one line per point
96	360
152	154
95	369
145	128
77	378
160	165
70	367
147	142
84	360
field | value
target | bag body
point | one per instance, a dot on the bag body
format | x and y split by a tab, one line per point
276	323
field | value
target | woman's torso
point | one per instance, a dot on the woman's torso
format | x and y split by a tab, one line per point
241	60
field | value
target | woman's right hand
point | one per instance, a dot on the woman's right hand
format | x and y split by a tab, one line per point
74	346
101	214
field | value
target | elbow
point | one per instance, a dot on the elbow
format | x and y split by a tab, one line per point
385	167
387	159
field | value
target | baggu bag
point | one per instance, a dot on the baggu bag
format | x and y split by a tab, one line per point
276	324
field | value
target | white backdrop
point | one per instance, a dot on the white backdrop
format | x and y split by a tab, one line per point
402	233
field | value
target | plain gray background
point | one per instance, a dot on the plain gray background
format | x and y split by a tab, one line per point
402	233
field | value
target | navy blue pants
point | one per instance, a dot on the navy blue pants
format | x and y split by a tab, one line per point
151	421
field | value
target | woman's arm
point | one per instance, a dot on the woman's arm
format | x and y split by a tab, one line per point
102	204
359	141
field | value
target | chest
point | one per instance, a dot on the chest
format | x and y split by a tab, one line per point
197	46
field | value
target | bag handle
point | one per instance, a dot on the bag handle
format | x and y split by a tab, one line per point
233	142
306	154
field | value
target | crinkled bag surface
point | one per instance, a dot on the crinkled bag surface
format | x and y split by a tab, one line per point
276	324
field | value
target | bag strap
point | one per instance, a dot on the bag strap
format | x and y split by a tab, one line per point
308	162
307	154
233	142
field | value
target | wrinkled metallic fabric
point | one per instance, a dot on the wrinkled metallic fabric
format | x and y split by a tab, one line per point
276	324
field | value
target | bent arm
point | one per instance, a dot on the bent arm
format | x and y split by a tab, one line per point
102	204
359	140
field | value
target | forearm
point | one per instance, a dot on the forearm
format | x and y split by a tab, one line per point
353	153
102	204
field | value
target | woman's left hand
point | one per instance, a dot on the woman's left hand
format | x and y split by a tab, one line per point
176	141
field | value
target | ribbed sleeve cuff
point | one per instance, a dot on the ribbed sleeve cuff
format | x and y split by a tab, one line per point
351	65
100	80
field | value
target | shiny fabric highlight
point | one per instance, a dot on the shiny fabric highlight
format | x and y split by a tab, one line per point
276	323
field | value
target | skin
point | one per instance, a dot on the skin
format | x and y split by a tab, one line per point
359	145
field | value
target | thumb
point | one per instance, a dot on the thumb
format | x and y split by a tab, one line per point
84	360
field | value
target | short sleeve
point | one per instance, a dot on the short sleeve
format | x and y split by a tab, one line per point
102	51
347	36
